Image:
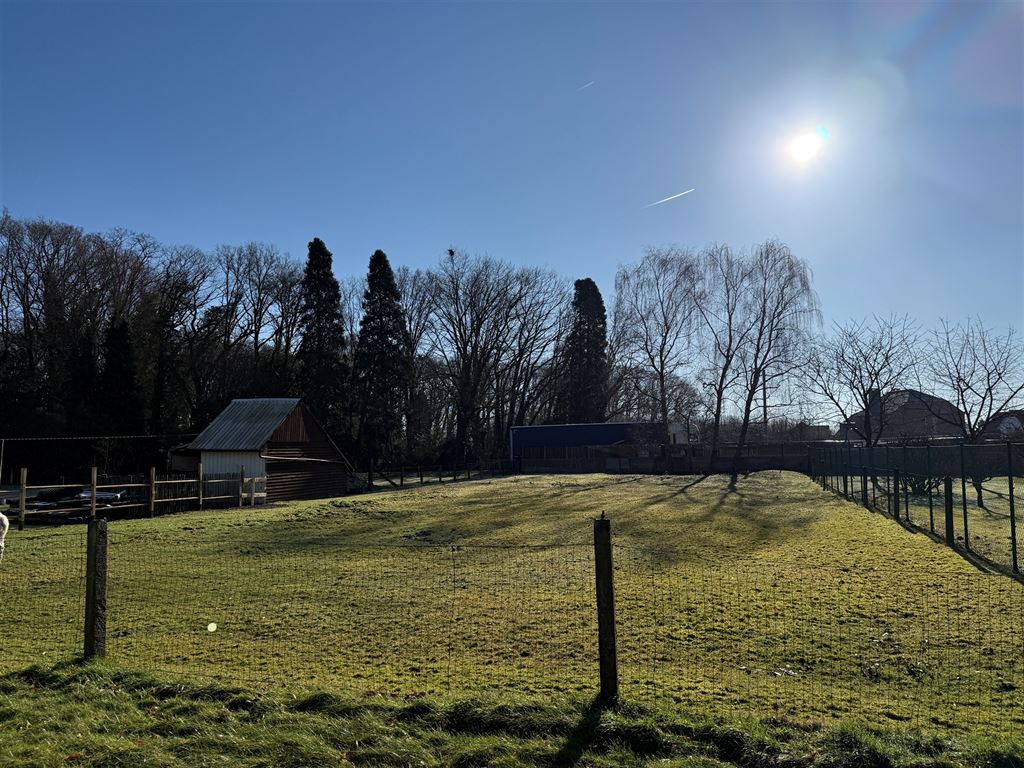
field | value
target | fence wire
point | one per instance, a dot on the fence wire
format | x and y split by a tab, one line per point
42	597
766	639
819	644
986	495
396	620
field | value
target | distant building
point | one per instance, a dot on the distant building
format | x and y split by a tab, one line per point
808	433
544	440
1008	425
909	415
273	437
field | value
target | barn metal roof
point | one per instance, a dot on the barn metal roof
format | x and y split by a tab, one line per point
245	425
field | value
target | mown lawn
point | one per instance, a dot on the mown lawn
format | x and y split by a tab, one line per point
771	600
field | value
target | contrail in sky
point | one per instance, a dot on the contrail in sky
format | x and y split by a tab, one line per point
585	86
673	197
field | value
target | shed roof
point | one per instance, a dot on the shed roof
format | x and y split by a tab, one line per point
245	425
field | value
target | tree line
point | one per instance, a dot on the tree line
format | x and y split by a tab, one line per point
118	334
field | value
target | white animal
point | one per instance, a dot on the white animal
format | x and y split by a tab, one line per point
4	525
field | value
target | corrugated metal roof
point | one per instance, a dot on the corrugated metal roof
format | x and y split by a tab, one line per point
245	425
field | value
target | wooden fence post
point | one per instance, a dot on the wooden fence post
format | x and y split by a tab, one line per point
22	491
605	609
401	476
96	590
152	491
947	493
252	491
241	487
199	484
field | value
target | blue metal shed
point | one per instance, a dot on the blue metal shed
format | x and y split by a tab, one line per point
580	435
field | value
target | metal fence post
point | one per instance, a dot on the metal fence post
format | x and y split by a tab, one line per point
605	609
894	494
947	488
864	487
963	493
931	507
1013	507
846	477
22	490
96	590
92	494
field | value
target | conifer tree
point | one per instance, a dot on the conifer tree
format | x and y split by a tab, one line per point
381	369
585	356
323	374
120	401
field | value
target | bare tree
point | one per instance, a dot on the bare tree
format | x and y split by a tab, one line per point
654	316
981	372
782	307
472	310
722	301
857	366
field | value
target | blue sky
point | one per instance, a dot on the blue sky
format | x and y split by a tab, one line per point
415	127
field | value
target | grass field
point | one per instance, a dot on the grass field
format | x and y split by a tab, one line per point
104	717
771	600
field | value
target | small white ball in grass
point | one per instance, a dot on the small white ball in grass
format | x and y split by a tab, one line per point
211	627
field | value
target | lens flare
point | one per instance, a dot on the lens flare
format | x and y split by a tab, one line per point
807	146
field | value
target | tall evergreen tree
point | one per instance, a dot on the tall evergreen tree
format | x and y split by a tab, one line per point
119	397
322	370
381	370
585	356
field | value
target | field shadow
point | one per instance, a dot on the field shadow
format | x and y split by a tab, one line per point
582	736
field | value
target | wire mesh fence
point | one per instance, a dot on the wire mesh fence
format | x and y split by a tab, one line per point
942	649
390	619
820	644
985	494
42	583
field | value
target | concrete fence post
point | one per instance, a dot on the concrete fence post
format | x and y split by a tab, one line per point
608	662
95	644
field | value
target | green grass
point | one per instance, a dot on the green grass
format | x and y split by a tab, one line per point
103	717
772	600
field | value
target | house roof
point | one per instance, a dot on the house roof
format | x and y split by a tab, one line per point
245	425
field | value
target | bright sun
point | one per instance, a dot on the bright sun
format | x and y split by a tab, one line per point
807	146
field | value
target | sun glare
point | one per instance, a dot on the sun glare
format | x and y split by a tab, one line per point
807	146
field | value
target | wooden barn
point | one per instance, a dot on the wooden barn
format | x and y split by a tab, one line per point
274	437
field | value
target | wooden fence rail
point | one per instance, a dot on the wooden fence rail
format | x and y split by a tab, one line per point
172	493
